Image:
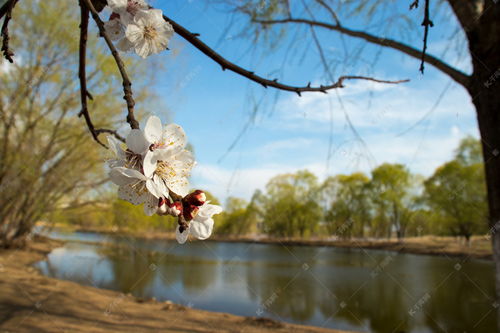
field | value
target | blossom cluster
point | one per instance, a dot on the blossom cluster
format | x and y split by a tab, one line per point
134	25
153	170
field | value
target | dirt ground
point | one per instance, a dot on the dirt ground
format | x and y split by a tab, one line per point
31	302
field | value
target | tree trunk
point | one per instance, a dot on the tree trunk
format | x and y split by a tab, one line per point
483	35
484	89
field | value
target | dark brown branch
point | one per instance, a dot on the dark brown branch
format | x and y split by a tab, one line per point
84	24
5	8
225	64
426	23
127	85
7	52
112	132
455	74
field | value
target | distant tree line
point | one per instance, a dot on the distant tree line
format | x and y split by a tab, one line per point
391	201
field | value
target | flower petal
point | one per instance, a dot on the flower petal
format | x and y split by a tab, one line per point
150	205
153	189
119	178
134	193
174	136
114	29
131	173
153	129
117	5
143	49
179	186
136	141
160	185
201	229
124	45
207	211
115	146
181	237
149	163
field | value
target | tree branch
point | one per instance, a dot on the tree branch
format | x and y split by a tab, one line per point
225	64
427	23
7	52
5	8
455	74
84	24
127	85
110	131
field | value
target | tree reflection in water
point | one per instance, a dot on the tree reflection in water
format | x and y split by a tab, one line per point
352	289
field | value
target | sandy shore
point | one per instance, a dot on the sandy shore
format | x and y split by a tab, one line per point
31	302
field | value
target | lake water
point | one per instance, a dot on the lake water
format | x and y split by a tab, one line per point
352	289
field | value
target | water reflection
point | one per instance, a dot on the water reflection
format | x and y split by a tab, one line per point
339	288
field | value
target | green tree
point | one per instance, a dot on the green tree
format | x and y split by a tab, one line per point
47	159
392	197
291	205
458	193
233	220
469	151
349	211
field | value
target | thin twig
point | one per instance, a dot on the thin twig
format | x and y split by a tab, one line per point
426	23
127	85
457	75
225	64
110	131
84	24
7	52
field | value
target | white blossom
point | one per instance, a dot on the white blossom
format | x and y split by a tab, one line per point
127	172
201	225
166	160
127	8
148	32
114	28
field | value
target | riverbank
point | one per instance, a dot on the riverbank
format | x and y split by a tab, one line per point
31	302
479	247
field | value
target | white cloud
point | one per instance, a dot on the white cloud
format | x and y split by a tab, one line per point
242	182
296	136
392	106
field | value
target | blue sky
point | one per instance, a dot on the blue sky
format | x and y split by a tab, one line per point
290	133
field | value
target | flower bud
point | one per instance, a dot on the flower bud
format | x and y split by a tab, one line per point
162	207
196	198
190	211
175	209
165	207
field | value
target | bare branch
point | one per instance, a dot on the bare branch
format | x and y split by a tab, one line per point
84	24
127	85
5	8
426	23
7	52
226	64
112	132
455	74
